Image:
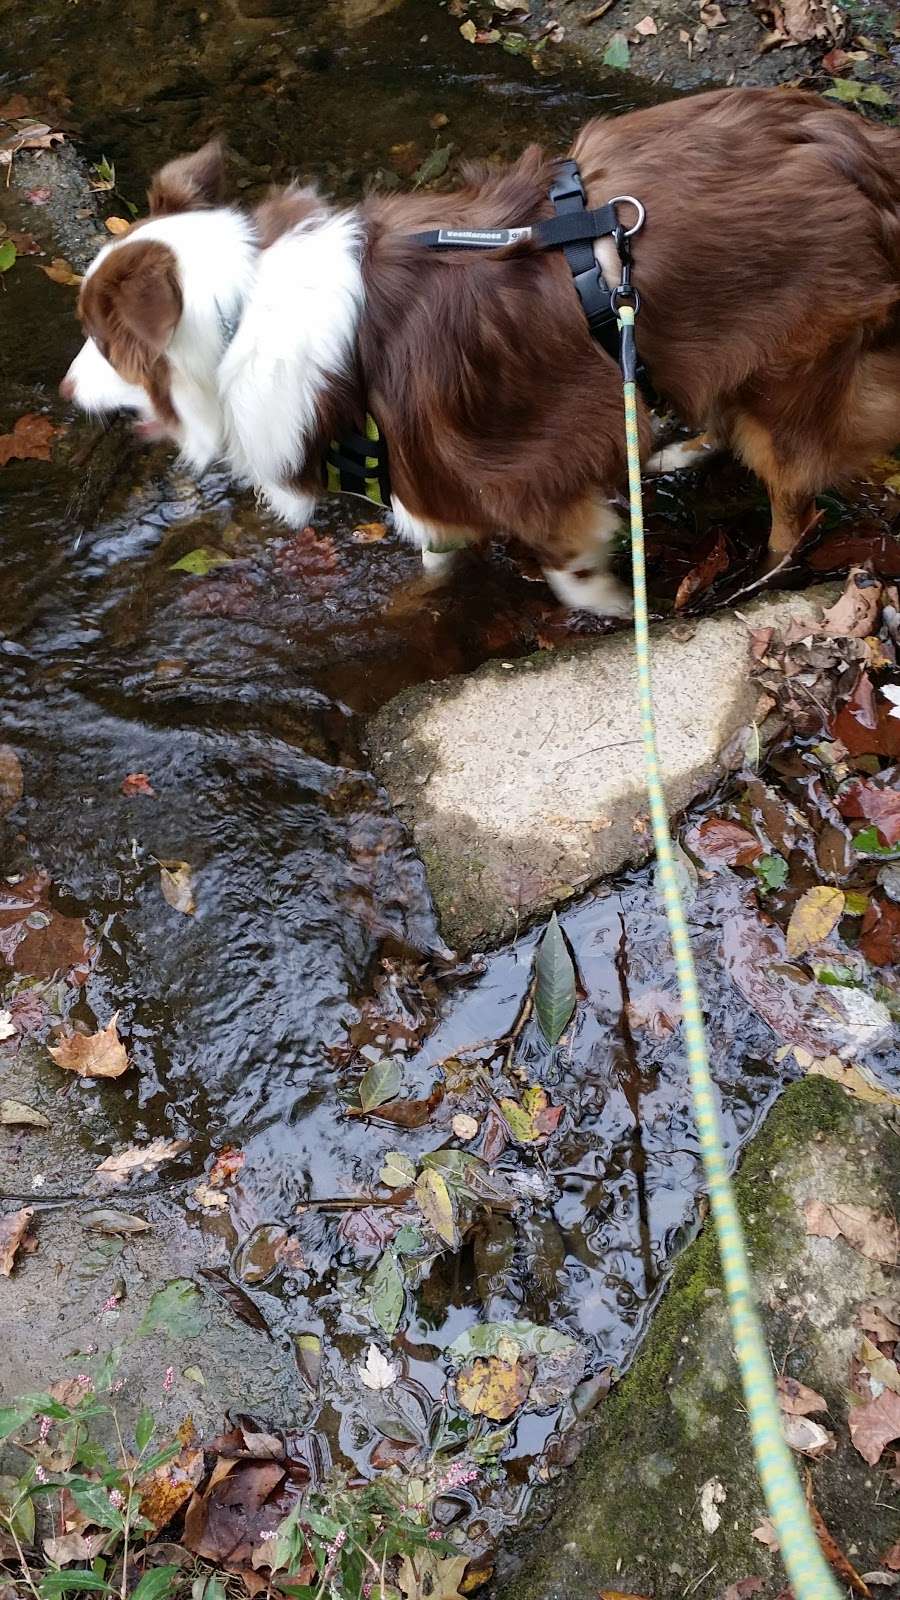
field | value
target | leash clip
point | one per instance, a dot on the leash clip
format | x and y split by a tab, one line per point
625	291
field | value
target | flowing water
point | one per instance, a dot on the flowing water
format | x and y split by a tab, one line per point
243	696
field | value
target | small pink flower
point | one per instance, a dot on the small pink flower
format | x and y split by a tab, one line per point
434	1533
117	1499
367	1588
83	1378
40	1474
110	1304
268	1533
169	1379
46	1424
117	1387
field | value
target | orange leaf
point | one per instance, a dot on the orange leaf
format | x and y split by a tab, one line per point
93	1055
29	440
117	225
13	1231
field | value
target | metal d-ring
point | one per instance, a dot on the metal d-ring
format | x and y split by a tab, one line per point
628	199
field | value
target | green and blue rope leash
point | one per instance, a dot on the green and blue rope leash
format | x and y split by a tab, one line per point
806	1567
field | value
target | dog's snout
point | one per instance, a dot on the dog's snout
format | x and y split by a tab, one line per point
67	388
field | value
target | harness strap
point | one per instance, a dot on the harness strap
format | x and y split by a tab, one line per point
569	201
566	228
358	464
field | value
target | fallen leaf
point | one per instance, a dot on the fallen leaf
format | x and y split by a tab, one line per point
432	1577
227	1521
856	614
380	1083
873	1234
813	918
137	783
876	803
864	726
881	1318
93	1055
170	1486
469	32
25	244
656	1010
117	225
228	1163
719	842
37	940
617	53
237	1299
201	561
892	1559
712	1495
30	439
436	1206
177	884
493	1388
370	532
808	1438
398	1171
387	1293
106	1220
704	574
13	1237
796	1400
713	15
646	27
176	1309
833	1553
766	1535
435	165
879	934
117	1169
11	781
554	990
882	1368
743	1589
464	1127
209	1198
60	272
856	1081
377	1372
14	1113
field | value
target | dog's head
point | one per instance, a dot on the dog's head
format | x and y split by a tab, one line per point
156	306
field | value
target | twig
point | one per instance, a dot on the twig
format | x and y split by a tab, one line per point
598	12
761	582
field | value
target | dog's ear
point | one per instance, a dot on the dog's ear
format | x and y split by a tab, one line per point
191	183
133	302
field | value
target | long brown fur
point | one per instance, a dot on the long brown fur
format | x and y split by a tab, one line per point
769	274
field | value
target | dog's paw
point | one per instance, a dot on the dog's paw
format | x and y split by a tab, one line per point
678	457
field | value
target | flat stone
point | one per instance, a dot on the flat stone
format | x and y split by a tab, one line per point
524	782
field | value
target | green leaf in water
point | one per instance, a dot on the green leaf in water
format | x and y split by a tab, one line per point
408	1240
772	871
8	255
434	166
176	1309
554	994
387	1293
200	561
398	1171
617	53
519	1122
308	1348
380	1083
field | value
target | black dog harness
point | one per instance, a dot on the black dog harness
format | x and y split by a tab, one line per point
357	463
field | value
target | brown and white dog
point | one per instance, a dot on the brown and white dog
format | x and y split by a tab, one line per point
769	273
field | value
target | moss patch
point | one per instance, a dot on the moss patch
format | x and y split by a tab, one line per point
630	1517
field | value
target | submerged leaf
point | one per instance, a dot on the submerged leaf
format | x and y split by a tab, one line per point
201	561
436	1206
813	918
380	1083
493	1388
177	1309
93	1055
387	1293
177	884
15	1114
554	995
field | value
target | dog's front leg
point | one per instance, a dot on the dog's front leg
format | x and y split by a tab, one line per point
439	544
678	457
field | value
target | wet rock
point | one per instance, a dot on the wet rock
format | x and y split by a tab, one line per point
631	1518
524	783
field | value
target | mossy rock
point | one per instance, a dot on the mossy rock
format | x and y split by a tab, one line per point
629	1517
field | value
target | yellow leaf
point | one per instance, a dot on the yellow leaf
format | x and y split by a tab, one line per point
469	31
493	1388
370	532
117	225
857	1081
177	884
167	1488
93	1055
435	1204
813	918
61	272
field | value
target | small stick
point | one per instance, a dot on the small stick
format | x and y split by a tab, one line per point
600	11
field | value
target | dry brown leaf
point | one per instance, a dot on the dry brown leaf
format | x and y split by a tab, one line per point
875	1424
831	1550
881	1318
117	225
796	1400
29	441
60	272
713	15
93	1055
177	884
856	614
13	1237
33	136
813	918
857	1081
370	532
493	1388
766	1535
646	27
882	1368
117	1169
656	1010
74	1546
808	1438
873	1234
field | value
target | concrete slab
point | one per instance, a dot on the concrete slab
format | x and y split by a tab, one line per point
524	782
